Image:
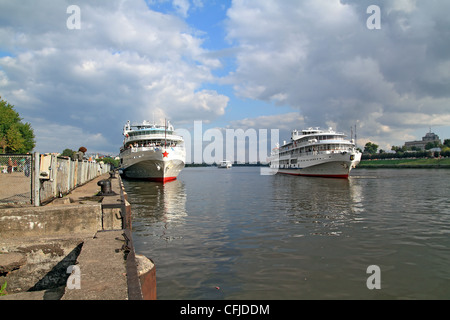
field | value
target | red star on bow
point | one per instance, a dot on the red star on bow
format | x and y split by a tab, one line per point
165	154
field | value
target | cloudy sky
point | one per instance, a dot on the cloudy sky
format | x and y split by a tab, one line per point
231	64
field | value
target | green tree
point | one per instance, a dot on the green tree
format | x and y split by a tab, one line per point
447	142
398	149
370	148
15	139
109	160
431	145
15	136
67	153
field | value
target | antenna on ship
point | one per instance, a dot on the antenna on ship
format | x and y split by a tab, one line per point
355	137
165	132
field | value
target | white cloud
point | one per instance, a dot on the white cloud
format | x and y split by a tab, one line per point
407	6
182	7
319	58
285	121
126	62
60	137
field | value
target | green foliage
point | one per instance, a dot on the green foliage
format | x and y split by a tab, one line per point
398	149
112	161
400	155
370	148
15	136
447	143
67	153
431	145
3	289
406	163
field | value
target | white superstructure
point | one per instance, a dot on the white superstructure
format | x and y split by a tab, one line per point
315	152
226	164
151	151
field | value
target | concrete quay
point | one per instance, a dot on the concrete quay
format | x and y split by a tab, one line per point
78	247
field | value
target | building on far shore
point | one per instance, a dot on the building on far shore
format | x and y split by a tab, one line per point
429	137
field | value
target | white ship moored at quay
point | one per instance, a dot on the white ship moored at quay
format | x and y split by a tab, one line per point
151	151
315	152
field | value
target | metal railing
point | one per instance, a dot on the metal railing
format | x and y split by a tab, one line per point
58	175
16	178
34	179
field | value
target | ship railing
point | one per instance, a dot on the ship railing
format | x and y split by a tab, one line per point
344	146
152	136
289	154
152	148
314	141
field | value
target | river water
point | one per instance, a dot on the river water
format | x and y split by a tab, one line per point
237	234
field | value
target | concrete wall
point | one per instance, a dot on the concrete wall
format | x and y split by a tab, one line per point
48	221
56	176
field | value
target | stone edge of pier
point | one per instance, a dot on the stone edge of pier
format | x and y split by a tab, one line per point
86	229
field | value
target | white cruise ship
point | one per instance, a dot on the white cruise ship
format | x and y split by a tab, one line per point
151	151
315	152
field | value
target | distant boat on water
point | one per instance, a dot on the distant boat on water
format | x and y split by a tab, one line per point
225	164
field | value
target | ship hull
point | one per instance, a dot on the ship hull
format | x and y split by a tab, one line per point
151	165
336	165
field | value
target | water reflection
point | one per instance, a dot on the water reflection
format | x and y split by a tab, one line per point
158	206
322	206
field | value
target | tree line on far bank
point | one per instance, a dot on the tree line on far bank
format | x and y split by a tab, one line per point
371	151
